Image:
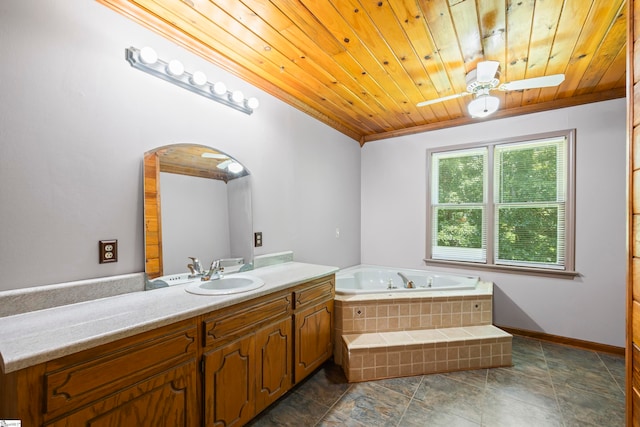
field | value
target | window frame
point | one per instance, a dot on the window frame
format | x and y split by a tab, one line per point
490	207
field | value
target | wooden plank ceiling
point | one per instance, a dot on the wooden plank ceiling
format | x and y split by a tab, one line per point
361	66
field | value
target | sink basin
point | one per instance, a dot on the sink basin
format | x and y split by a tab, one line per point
234	284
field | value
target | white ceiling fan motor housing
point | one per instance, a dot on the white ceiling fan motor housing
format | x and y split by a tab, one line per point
474	85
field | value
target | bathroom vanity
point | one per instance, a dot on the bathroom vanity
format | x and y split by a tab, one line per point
105	352
167	357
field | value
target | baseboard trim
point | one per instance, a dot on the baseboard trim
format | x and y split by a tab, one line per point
572	342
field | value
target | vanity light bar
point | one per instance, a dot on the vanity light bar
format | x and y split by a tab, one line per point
146	59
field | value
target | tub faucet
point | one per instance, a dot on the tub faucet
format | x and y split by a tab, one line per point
407	283
215	272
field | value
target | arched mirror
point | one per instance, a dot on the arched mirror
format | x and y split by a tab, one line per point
197	203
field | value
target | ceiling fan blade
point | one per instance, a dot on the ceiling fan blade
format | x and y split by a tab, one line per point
444	98
533	83
486	70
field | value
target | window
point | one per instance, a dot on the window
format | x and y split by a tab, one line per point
506	204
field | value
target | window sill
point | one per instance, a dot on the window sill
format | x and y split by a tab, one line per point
560	274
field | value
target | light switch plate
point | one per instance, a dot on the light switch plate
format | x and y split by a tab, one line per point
108	251
257	239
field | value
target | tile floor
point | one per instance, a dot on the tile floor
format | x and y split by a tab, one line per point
548	385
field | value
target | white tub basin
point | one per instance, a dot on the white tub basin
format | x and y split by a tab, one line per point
234	284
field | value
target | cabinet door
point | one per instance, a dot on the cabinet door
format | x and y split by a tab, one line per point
313	338
167	399
229	383
273	363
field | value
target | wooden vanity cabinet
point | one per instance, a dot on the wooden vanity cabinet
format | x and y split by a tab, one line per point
149	379
218	369
165	399
256	351
313	320
274	349
229	383
247	362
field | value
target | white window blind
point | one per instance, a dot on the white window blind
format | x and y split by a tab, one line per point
459	182
530	194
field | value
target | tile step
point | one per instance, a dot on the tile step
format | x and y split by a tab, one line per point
422	336
379	355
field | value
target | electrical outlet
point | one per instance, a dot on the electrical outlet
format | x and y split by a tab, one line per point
108	251
257	239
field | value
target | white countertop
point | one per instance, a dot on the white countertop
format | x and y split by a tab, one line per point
35	337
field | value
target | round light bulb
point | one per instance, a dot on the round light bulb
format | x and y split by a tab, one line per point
198	78
148	55
175	68
219	88
237	96
253	103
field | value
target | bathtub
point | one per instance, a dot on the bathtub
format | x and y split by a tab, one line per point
370	279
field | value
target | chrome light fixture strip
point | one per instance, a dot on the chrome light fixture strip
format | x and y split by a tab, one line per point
184	80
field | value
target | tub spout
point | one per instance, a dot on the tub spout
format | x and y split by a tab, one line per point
407	283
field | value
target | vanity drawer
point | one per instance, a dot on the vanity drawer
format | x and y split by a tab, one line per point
314	292
238	320
87	376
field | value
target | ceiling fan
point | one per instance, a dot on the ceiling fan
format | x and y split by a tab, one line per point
486	78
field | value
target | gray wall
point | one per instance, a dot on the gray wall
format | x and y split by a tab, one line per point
76	118
590	307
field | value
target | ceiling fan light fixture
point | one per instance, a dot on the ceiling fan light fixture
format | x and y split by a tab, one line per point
485	78
483	106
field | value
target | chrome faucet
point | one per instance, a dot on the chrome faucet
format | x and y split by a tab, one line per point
215	271
407	283
195	267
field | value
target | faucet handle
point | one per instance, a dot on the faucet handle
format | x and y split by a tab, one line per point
215	266
196	264
191	269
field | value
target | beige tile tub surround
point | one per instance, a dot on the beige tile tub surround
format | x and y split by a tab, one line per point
406	314
388	312
387	335
381	355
